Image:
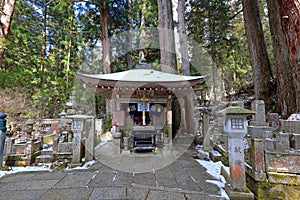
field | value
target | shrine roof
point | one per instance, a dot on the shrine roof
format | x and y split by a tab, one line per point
141	76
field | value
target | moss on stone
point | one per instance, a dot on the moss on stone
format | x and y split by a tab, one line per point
16	157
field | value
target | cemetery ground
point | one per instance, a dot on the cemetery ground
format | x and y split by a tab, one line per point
257	160
185	178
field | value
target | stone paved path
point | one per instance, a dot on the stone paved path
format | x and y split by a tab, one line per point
182	179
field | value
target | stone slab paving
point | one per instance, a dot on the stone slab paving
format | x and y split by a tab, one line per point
182	179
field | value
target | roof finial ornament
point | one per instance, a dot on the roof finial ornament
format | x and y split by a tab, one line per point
142	62
142	57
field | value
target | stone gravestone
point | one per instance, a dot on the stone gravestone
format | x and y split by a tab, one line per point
273	120
259	119
90	140
258	125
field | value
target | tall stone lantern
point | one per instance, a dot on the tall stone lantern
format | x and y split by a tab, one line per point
235	126
29	127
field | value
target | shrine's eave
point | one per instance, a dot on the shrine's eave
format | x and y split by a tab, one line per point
146	78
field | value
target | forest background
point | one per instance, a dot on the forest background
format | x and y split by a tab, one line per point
43	43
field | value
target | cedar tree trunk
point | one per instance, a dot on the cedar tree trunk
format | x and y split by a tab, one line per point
185	67
263	78
290	21
286	96
105	37
166	36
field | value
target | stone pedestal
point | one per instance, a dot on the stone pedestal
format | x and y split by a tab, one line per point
126	143
257	155
77	147
260	132
116	146
237	162
234	195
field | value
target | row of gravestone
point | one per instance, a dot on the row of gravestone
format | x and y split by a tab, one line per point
277	134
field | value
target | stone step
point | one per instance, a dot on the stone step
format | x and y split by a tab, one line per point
44	159
46	152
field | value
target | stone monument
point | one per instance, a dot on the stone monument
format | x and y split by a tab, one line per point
258	125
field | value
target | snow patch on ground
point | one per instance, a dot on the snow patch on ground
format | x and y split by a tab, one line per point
46	166
214	169
40	167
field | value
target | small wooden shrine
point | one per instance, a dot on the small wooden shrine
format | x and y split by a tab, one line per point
142	98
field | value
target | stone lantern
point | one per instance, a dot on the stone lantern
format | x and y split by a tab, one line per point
29	127
71	105
235	126
81	130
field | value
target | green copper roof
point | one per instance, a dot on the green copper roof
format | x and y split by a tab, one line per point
236	110
142	75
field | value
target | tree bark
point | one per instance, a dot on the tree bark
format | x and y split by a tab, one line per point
185	66
129	37
290	21
5	21
166	37
43	51
143	33
286	96
212	50
105	37
263	78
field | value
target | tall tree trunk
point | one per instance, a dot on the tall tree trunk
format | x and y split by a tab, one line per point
286	96
142	34
43	52
212	50
183	39
129	37
263	78
105	37
290	21
166	36
5	21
